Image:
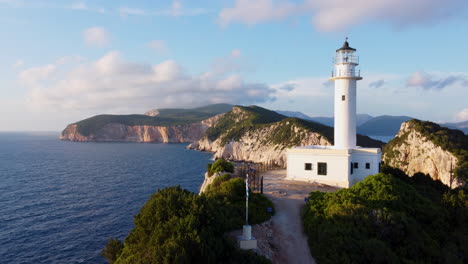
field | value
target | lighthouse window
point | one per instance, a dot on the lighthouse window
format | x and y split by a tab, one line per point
322	168
367	165
343	97
308	166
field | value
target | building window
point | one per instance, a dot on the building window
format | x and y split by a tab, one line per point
322	168
356	165
367	165
308	166
343	97
352	168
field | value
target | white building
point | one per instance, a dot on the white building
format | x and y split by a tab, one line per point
343	164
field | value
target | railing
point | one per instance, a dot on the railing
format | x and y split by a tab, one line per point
348	73
254	171
346	58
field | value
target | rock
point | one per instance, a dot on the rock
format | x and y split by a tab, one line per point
416	153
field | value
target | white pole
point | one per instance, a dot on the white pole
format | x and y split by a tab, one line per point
247	199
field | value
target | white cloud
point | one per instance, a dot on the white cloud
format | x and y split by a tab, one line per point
159	46
462	115
96	36
236	53
435	81
256	11
112	84
128	11
337	15
33	75
175	9
18	64
82	6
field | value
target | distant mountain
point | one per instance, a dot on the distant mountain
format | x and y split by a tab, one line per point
329	121
463	126
294	114
382	125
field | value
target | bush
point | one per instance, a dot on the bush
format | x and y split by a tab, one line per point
112	250
220	165
385	219
177	226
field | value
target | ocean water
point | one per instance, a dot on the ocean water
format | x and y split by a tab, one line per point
61	201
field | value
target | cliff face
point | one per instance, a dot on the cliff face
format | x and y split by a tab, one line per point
142	133
257	143
413	152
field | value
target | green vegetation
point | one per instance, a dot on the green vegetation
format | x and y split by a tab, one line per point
178	226
389	218
112	250
235	124
451	140
166	117
220	165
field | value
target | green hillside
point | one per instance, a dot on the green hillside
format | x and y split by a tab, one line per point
235	124
166	117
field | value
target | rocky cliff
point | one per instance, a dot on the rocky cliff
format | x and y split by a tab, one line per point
428	148
113	132
259	135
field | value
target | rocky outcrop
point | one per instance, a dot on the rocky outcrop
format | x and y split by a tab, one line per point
255	146
413	152
116	132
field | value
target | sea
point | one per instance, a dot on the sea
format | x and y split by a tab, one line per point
61	201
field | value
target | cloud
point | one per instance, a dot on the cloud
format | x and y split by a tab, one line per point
18	64
376	84
96	36
112	84
255	11
432	82
236	53
176	9
288	87
159	46
338	15
82	6
128	11
33	75
462	115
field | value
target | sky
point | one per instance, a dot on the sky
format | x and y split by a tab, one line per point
65	60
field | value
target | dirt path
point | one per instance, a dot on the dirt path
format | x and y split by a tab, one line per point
284	230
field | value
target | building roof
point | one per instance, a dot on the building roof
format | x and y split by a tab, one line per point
346	46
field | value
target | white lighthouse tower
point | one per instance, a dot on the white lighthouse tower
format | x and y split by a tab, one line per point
345	76
345	163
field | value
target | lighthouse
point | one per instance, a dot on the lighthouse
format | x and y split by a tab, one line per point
345	163
345	75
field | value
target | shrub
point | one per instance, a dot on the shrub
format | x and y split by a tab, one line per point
221	165
388	219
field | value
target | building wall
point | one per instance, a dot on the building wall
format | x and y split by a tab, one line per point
361	172
338	165
337	168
